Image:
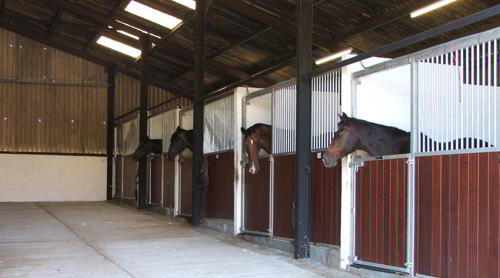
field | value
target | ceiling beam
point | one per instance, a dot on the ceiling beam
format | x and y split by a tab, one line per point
55	23
171	47
2	6
271	20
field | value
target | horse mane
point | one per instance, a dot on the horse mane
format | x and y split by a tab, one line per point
353	121
256	126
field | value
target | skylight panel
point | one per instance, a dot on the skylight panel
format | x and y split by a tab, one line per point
153	15
188	3
128	34
120	47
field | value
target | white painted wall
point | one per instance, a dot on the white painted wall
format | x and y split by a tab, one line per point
51	178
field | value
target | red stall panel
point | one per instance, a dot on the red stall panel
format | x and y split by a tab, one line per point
326	188
457	217
168	182
129	177
381	187
118	176
219	196
156	180
257	189
186	185
284	196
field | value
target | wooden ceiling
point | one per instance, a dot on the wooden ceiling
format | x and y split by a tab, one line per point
244	37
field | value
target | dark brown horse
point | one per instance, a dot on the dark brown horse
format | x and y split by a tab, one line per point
180	140
375	139
256	137
145	148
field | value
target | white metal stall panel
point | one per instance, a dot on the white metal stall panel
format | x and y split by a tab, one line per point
169	127
326	95
383	97
218	125
459	98
284	117
130	136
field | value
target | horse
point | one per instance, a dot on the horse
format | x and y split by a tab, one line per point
145	148
375	139
183	139
256	137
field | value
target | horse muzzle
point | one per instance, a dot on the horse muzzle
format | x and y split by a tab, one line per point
253	169
329	161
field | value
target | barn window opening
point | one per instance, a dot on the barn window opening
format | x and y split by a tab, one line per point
152	15
118	46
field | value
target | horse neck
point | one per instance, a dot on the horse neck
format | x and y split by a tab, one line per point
189	140
380	140
265	135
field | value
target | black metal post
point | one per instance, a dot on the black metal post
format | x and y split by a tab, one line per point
303	159
197	202
143	122
110	134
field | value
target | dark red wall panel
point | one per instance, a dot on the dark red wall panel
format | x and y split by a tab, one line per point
168	182
129	177
284	196
326	185
257	198
186	185
381	212
156	180
118	176
219	196
458	215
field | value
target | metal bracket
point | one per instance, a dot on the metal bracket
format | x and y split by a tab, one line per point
356	165
409	265
410	161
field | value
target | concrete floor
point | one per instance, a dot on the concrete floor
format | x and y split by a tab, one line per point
99	239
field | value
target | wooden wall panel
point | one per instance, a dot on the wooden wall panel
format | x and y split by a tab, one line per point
284	196
186	185
457	228
326	185
156	180
219	196
257	189
168	182
381	212
50	101
129	177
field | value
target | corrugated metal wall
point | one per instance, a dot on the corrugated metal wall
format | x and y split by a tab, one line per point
128	91
38	113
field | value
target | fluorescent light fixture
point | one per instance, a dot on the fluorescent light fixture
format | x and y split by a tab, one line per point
118	46
333	56
153	15
128	34
188	3
431	7
138	29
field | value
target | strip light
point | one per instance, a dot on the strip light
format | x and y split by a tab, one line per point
118	46
188	3
333	56
128	34
431	7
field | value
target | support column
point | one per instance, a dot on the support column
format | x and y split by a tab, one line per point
110	134
303	159
197	201
143	122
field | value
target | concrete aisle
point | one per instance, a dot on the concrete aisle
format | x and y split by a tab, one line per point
99	239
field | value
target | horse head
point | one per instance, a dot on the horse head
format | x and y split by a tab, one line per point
255	138
145	148
343	143
180	140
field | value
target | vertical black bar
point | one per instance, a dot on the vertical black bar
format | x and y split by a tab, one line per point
303	134
197	207
110	134
143	122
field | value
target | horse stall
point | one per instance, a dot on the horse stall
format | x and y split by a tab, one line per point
218	149
127	140
270	193
161	171
433	211
183	197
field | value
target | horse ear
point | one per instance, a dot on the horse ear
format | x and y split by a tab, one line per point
178	128
343	117
243	130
